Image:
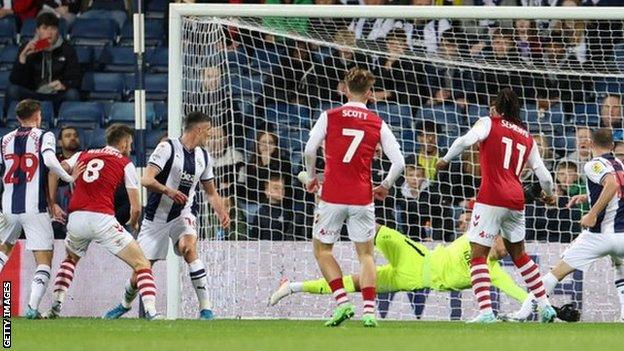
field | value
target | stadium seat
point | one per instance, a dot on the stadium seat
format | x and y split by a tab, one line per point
4	83
152	137
543	121
441	114
30	25
47	115
103	85
153	33
85	56
119	16
157	8
238	60
618	50
564	144
289	114
118	59
98	32
243	85
587	115
2	109
157	59
604	86
475	112
8	29
160	115
396	116
79	114
98	139
123	112
156	86
8	55
408	141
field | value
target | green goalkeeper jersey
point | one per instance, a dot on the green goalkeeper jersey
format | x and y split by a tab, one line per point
446	268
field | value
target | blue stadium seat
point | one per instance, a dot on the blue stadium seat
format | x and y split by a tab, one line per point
79	114
119	16
30	25
156	86
445	115
408	141
587	115
476	111
157	8
99	32
243	85
118	59
8	29
4	83
266	60
153	33
103	86
289	114
2	110
396	116
618	50
123	112
160	115
47	115
152	137
157	59
8	55
605	86
564	143
238	60
85	56
543	121
98	139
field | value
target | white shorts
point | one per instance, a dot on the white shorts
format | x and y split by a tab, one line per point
37	227
589	247
329	218
83	227
154	236
488	221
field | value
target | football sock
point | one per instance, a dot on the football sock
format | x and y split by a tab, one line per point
369	295
63	280
619	285
532	278
130	293
147	290
200	283
39	285
480	279
320	286
550	282
338	290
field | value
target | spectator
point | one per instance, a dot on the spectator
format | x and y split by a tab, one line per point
611	113
561	220
51	73
25	9
568	179
575	33
546	152
69	142
618	150
5	8
424	35
400	80
428	149
384	210
227	161
463	178
293	80
582	153
331	72
323	27
65	9
267	160
274	221
371	28
527	40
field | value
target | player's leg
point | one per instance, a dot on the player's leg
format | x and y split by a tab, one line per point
10	229
186	246
328	222
39	240
65	277
484	226
361	228
618	267
142	268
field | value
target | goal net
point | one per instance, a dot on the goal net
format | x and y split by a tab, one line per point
265	79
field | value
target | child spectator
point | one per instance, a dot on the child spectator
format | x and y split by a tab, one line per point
428	149
274	221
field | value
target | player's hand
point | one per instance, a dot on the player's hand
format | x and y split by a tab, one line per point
312	186
176	195
588	220
77	171
577	200
58	215
549	200
380	192
224	219
441	165
134	225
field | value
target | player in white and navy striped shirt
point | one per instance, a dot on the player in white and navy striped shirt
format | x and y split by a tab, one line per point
174	170
28	153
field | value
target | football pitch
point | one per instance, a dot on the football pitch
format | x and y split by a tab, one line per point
133	335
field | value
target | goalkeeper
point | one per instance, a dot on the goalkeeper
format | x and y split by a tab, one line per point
413	267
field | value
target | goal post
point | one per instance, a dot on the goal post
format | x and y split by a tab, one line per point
265	78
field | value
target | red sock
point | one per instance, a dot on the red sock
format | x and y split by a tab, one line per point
338	290
480	279
64	276
368	295
531	276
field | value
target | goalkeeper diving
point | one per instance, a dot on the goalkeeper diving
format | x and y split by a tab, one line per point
412	266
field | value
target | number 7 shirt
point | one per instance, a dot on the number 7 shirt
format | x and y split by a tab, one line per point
351	134
105	170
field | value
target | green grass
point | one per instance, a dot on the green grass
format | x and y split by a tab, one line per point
138	335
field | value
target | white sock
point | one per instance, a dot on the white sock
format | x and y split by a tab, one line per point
39	285
3	260
619	286
296	287
197	272
550	281
130	293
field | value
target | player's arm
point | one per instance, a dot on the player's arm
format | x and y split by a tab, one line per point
536	163
57	212
477	133
317	135
390	147
156	163
131	180
599	173
216	202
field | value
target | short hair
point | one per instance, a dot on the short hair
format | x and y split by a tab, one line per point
274	177
194	118
603	137
359	80
64	128
503	33
27	108
47	19
118	132
568	165
397	34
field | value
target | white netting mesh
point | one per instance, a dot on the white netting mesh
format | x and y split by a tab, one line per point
265	81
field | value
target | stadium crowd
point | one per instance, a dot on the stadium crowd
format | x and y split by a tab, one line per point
424	90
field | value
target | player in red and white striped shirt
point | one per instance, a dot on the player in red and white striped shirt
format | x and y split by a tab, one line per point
351	134
505	147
